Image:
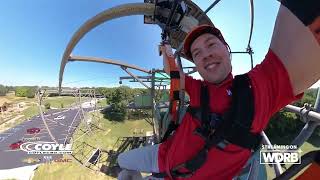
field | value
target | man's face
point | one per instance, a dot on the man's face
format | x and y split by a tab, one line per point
211	57
315	28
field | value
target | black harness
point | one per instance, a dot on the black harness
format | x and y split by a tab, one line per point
219	130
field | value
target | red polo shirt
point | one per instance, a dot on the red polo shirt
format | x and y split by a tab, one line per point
272	91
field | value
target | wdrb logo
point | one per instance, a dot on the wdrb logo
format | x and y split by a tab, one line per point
281	157
46	148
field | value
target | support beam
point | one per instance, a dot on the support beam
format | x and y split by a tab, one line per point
135	77
107	61
310	115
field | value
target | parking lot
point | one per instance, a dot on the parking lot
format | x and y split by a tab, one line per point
61	122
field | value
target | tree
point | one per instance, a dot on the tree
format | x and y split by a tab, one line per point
10	88
47	105
309	97
30	93
3	90
119	98
284	126
21	91
26	91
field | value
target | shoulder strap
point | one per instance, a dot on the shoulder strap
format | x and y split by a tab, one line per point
237	126
204	102
201	112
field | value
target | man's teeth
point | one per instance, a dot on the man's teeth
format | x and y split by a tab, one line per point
211	66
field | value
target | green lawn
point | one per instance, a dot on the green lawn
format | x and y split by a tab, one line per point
67	171
102	103
31	111
108	133
61	101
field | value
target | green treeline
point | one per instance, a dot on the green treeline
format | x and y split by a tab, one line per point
3	90
20	91
26	91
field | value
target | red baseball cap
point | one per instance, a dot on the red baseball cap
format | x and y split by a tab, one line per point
195	33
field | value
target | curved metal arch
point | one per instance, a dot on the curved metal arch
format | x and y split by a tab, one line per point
249	49
107	61
251	21
109	14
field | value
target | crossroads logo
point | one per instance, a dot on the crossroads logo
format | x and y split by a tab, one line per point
46	148
282	154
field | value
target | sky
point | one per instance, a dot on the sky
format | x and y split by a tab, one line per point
34	34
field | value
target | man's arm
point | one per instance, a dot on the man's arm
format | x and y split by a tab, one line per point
296	42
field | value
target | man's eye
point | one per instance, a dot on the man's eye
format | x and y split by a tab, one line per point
196	54
212	44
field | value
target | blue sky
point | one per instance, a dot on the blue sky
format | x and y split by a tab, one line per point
34	34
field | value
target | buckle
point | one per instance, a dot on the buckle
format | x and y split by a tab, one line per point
175	172
203	132
215	120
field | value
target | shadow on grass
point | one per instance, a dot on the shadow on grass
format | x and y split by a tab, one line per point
111	115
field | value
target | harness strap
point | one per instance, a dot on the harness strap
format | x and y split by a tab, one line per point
172	127
204	106
238	124
317	158
235	127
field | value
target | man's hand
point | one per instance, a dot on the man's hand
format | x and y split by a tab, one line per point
170	64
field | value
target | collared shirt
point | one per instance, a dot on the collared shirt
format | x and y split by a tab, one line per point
272	90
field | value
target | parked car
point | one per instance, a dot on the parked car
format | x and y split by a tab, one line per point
33	130
16	145
60	117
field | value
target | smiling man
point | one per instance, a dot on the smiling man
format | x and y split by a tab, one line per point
226	114
210	54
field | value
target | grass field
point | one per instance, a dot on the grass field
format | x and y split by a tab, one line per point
67	171
31	111
102	103
104	135
61	101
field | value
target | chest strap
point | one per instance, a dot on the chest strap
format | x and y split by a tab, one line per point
234	127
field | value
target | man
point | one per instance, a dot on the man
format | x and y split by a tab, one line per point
277	81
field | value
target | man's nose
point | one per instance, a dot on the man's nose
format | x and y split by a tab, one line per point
206	55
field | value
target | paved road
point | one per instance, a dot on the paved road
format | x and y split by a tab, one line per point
60	129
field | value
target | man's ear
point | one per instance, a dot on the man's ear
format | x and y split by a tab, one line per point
229	50
196	68
195	65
